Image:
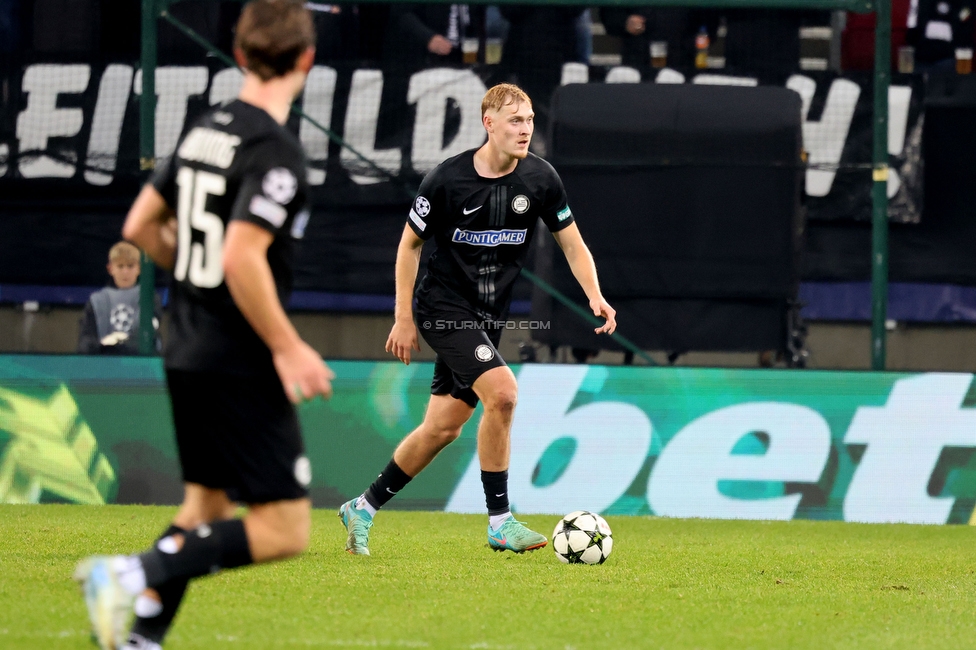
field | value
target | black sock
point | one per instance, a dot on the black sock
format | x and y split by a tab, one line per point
496	491
170	597
207	549
390	481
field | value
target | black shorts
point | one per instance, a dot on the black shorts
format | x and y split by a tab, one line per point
464	353
239	434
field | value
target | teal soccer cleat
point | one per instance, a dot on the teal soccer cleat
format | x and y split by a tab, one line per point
514	536
109	604
357	522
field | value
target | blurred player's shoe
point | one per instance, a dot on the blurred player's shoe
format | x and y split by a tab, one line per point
137	642
109	604
357	522
512	535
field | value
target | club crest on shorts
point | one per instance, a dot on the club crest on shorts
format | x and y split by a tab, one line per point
520	204
422	206
484	353
303	471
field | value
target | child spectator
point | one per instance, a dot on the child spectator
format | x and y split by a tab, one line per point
110	324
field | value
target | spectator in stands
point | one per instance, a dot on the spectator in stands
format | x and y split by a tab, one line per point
419	36
337	27
937	28
638	27
427	35
540	40
110	323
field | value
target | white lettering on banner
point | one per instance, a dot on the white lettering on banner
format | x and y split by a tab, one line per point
4	154
824	140
317	103
904	439
362	116
41	119
612	443
225	85
174	87
106	130
899	101
430	90
684	480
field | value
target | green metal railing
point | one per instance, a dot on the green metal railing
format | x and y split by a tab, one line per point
153	10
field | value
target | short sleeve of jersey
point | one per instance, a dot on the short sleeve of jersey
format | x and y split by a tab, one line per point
164	180
429	207
271	186
555	211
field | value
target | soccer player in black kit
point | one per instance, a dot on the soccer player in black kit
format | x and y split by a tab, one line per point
481	208
223	214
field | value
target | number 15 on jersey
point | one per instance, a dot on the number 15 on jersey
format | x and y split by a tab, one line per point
200	263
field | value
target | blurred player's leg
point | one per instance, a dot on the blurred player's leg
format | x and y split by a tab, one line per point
155	610
109	602
269	532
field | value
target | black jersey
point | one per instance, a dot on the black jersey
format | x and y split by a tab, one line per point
235	163
481	229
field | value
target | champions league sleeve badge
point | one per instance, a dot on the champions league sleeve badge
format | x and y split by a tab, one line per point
280	185
421	206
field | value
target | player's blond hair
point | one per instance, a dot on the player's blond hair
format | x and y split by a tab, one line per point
503	95
272	34
123	252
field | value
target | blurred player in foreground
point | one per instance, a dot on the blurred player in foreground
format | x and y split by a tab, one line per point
234	363
481	208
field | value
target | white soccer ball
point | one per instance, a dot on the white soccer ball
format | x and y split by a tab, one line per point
582	537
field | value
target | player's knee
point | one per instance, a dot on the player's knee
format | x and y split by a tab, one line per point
452	434
503	401
445	434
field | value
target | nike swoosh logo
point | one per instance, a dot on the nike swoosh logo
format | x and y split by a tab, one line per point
499	540
500	495
390	491
467	212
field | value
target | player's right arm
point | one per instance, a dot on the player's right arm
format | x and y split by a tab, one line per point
403	336
248	275
151	225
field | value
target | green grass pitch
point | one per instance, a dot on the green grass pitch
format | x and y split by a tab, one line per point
432	583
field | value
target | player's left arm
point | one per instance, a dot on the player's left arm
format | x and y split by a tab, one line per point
151	225
584	270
